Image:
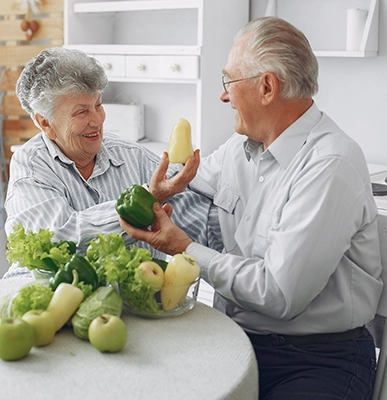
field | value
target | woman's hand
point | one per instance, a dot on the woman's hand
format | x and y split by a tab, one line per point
163	188
164	234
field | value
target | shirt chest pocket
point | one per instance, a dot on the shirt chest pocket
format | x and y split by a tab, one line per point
267	223
226	199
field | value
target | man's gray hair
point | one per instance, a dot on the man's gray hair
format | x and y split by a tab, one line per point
57	72
276	46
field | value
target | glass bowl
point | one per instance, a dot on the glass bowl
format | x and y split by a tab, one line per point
177	301
42	274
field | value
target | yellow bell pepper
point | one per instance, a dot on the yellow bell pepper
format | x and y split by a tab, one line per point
65	301
182	270
180	147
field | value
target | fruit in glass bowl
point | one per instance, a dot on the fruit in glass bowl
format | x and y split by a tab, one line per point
151	306
154	291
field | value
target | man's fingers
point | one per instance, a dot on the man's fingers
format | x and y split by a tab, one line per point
135	233
160	213
162	168
185	176
168	209
192	163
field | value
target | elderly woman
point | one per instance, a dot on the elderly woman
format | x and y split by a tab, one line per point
68	177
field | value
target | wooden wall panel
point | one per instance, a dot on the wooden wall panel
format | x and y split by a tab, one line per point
52	27
11	106
17	132
18	56
15	52
10	7
9	80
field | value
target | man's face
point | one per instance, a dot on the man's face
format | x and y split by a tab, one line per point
243	96
77	126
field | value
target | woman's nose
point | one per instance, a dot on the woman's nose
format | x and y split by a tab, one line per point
97	118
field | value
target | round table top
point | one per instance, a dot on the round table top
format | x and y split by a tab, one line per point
202	354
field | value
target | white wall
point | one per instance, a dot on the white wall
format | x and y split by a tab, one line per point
3	261
353	91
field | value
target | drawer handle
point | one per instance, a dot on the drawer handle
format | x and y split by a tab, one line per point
175	67
140	67
107	66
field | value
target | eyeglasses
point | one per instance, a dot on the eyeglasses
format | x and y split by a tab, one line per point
226	82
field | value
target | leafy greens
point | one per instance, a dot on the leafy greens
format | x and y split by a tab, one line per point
117	265
36	250
34	296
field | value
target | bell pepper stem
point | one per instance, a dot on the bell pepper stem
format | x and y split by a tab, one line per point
75	277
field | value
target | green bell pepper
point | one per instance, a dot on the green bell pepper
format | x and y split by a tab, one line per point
162	263
134	205
72	247
86	272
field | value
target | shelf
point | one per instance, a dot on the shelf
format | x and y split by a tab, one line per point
369	41
147	5
136	49
152	80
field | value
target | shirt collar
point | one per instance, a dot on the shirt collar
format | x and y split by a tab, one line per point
291	140
103	160
55	151
249	146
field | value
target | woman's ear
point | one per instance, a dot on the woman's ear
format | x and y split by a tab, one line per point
269	87
43	123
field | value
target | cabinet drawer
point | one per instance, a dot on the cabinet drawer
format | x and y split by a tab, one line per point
113	65
162	67
142	66
183	67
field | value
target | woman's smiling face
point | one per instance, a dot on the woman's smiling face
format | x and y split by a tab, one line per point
77	126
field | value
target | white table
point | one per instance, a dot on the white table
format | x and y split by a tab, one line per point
200	355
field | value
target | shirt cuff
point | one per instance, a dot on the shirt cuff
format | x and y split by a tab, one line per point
203	256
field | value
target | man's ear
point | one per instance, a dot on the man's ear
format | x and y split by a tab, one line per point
269	87
43	123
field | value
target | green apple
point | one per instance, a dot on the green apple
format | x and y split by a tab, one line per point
16	338
108	333
44	324
152	274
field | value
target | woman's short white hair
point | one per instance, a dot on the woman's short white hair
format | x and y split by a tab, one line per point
276	46
54	73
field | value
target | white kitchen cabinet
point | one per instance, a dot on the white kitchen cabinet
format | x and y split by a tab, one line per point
324	23
165	54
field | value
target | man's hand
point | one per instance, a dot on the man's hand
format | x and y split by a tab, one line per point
163	188
164	234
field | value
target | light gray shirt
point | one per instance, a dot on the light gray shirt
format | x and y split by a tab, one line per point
299	225
47	191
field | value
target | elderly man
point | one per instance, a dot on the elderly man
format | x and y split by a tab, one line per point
301	268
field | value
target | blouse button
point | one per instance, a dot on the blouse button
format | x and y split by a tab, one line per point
247	217
261	179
